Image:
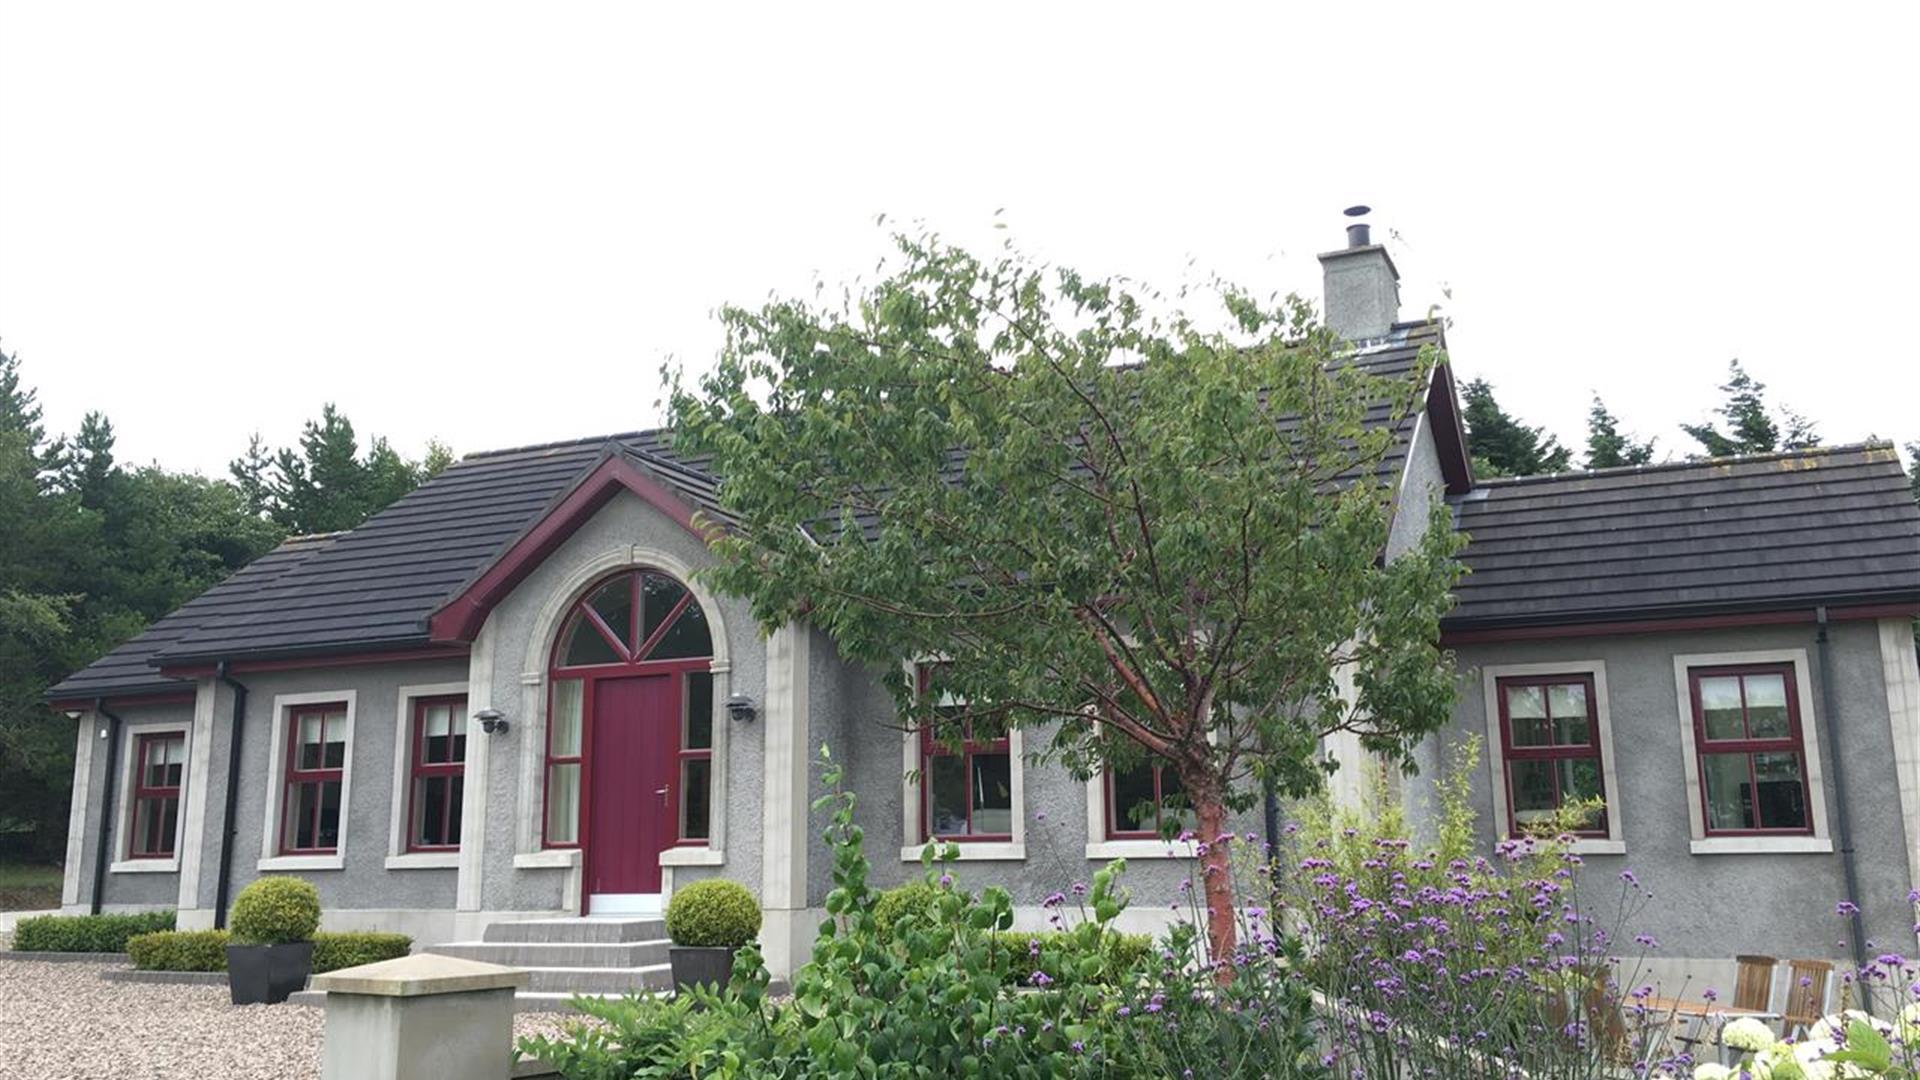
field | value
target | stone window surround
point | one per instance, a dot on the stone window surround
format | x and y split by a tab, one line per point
398	857
270	859
1102	846
529	852
1700	843
1614	843
913	841
124	861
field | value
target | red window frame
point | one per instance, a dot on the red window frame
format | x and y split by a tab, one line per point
419	769
1794	743
1509	752
628	662
1115	815
931	748
296	776
160	793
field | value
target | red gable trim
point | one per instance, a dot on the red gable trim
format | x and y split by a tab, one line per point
1449	431
460	618
128	701
1654	626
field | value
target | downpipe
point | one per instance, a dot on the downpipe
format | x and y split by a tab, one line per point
1842	827
106	804
231	807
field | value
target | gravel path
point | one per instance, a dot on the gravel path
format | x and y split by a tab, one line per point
64	1022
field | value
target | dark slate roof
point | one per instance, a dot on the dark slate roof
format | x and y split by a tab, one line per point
126	670
1831	525
374	588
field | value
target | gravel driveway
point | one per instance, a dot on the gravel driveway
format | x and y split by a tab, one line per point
64	1022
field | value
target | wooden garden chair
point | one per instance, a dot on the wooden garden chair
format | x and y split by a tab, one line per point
1806	996
1752	992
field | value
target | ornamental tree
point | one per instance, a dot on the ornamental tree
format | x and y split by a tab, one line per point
1147	535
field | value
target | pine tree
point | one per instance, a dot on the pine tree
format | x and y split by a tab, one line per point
1502	445
1607	448
252	475
325	484
86	462
1750	428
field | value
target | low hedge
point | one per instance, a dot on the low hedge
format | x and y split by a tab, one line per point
179	950
206	950
331	952
1060	955
86	933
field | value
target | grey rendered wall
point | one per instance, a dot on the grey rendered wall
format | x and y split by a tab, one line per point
623	524
1421	485
364	882
1722	905
147	890
1056	816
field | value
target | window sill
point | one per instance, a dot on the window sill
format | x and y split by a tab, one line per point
991	851
1763	845
1138	849
424	860
550	859
302	862
693	856
145	866
1597	846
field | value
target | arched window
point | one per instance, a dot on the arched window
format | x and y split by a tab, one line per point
638	622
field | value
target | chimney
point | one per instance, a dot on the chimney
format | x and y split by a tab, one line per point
1362	286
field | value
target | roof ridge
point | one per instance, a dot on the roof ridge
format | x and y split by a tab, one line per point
1692	463
584	440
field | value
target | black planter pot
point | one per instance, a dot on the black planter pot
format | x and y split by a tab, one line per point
268	974
700	965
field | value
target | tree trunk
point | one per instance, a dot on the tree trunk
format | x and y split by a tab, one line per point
1216	872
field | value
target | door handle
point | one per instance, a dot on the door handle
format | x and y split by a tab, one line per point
663	793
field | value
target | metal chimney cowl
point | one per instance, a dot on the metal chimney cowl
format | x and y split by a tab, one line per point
1361	285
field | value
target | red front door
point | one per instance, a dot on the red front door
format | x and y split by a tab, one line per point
631	804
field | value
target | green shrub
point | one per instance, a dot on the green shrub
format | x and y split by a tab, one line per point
715	913
943	998
892	905
1059	955
180	950
275	910
331	952
86	933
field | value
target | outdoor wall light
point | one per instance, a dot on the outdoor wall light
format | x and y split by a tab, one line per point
740	707
491	721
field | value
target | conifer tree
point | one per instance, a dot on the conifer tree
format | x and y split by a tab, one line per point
1502	445
1607	447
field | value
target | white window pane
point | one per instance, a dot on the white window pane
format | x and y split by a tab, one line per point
563	804
564	725
1720	707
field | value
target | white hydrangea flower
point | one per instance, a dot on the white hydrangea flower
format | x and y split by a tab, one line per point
1746	1033
1711	1070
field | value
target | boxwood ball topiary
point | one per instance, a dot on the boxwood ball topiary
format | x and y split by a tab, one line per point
713	914
275	910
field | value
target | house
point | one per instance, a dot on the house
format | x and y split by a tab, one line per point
1720	650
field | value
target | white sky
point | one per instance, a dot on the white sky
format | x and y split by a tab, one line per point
492	225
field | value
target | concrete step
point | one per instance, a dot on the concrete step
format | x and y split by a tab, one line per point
538	954
601	980
579	931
